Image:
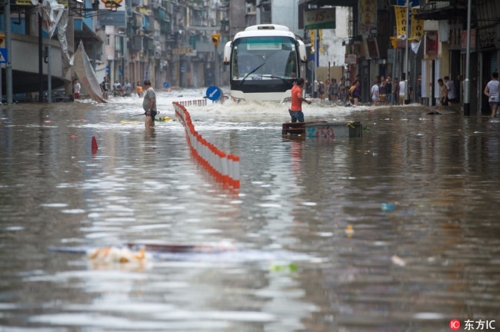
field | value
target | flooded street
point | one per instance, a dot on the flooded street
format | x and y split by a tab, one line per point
395	231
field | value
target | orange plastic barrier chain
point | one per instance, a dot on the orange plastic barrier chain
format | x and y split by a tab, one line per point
224	167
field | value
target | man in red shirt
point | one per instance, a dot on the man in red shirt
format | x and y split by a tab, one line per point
297	99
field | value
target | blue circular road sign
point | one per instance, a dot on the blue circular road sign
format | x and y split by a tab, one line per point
166	85
213	93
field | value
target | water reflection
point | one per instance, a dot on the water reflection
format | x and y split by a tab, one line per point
439	173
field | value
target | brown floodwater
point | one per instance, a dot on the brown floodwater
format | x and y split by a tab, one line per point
395	231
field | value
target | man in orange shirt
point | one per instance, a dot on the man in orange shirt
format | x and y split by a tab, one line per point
297	99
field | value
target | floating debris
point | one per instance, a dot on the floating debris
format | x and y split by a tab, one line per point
386	207
112	255
165	118
292	267
349	231
398	260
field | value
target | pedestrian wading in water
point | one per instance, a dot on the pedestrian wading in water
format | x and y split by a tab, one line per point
149	104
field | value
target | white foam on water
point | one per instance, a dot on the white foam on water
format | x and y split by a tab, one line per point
56	205
216	116
14	228
106	321
429	316
235	316
73	211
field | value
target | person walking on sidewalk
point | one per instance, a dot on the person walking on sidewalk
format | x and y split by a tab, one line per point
450	86
375	92
388	90
395	92
295	110
419	89
402	90
105	87
443	93
321	91
382	90
492	91
139	90
77	89
333	90
355	93
149	104
342	90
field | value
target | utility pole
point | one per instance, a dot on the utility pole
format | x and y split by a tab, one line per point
40	60
407	91
8	45
467	65
49	75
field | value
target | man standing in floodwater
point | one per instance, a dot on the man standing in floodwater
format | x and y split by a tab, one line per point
149	104
296	108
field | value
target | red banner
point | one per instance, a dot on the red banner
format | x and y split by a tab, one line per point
431	45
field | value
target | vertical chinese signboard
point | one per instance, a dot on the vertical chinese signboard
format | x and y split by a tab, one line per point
417	26
367	16
400	12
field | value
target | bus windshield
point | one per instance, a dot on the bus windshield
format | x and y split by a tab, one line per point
264	57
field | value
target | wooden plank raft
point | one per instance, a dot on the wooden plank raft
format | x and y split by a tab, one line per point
297	129
321	130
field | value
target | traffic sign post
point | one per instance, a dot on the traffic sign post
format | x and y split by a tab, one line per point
3	55
3	59
1	87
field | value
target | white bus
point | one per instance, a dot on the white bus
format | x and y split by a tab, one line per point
264	61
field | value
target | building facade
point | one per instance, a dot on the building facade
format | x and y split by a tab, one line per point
170	41
437	35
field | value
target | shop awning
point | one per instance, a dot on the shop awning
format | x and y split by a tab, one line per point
337	3
430	12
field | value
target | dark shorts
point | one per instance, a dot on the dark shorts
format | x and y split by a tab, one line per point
153	114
